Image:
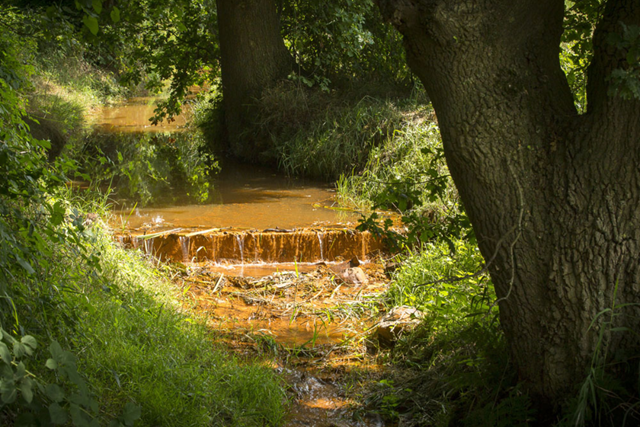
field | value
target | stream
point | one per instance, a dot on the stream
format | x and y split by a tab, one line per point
277	269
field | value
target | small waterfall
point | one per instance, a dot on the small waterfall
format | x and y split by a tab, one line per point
213	239
121	241
321	241
256	248
240	240
135	242
148	246
184	244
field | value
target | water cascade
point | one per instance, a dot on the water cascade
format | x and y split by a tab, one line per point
320	237
184	244
240	241
302	246
148	246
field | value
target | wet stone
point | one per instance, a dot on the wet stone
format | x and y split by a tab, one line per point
399	321
355	276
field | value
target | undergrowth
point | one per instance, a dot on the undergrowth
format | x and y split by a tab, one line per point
410	150
453	369
315	133
337	140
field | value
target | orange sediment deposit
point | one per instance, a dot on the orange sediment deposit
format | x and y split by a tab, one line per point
311	326
317	308
246	247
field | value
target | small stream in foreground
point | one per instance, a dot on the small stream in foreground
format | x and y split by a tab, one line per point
277	269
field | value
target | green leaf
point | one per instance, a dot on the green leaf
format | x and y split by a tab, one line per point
54	392
5	355
9	396
21	371
131	413
58	415
97	5
29	341
26	388
24	264
57	214
56	351
19	350
7	385
52	364
91	23
115	15
79	417
6	375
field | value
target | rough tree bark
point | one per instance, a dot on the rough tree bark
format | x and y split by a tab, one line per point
553	194
253	56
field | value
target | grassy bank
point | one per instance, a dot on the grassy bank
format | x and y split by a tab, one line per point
122	319
158	168
64	88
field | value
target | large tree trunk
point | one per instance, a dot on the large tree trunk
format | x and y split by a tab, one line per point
253	57
553	194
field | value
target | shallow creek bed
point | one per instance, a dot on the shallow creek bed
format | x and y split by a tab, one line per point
311	327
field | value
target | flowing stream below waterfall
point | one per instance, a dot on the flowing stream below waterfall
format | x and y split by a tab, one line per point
278	271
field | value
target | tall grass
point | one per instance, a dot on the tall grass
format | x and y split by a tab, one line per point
339	140
313	133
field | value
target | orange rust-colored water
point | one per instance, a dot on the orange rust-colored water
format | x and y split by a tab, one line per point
247	196
133	116
262	270
243	196
241	247
293	309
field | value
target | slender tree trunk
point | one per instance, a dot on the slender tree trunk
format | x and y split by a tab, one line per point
253	57
553	194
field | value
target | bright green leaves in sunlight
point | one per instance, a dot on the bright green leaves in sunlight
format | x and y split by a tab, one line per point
581	18
576	50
